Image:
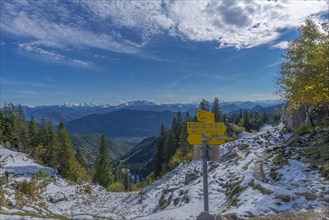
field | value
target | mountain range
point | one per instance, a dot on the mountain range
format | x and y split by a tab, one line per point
72	111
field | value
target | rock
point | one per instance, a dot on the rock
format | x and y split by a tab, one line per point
243	146
293	118
228	156
258	171
190	177
58	197
213	166
165	191
206	216
308	196
78	217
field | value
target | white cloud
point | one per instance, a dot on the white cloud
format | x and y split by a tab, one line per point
80	62
127	26
281	45
50	55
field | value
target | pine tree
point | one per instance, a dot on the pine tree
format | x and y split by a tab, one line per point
1	126
160	152
170	147
10	130
67	164
184	144
51	145
34	138
79	158
22	130
103	174
216	110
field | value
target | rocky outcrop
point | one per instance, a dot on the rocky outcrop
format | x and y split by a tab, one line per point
293	118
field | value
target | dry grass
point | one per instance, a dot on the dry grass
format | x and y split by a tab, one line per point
310	215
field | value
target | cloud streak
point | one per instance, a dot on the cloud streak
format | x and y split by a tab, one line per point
127	26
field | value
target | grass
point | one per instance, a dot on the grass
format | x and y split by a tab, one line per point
2	197
245	167
303	129
290	216
233	191
317	153
27	188
262	189
274	175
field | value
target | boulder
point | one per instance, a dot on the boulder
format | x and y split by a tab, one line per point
190	177
58	197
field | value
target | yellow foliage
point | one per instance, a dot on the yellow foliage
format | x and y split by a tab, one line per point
304	75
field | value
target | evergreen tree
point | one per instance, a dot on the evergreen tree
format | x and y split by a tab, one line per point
22	130
246	120
170	147
103	174
79	158
216	110
10	130
51	145
34	139
67	164
33	134
184	144
160	152
1	126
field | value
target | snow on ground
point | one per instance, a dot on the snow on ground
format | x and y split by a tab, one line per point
240	183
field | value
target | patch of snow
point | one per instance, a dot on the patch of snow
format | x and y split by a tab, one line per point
171	197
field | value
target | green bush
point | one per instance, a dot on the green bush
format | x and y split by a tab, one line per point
116	187
303	129
27	188
40	175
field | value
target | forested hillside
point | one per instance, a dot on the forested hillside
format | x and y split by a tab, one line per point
140	159
123	123
89	146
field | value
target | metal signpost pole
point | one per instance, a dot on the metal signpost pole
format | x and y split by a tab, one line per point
205	173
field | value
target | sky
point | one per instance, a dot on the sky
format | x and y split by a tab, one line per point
168	51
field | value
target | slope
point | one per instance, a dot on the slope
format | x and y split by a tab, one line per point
123	123
140	159
259	174
89	146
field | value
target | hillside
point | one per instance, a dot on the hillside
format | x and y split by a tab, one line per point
140	159
89	146
259	174
123	123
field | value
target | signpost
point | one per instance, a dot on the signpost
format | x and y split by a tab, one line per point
205	132
213	139
204	116
209	128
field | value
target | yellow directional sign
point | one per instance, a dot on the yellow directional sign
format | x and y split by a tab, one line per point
204	116
213	139
218	128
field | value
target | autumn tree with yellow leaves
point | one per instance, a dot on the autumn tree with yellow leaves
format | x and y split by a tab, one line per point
304	74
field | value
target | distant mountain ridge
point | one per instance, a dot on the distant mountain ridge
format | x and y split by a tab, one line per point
122	123
71	111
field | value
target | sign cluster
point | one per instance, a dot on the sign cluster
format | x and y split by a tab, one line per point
206	124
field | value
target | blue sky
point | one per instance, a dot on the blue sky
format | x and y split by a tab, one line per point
54	52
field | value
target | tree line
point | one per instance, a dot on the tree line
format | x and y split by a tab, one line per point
53	147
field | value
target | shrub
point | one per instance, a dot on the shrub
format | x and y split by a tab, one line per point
27	188
303	129
116	187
